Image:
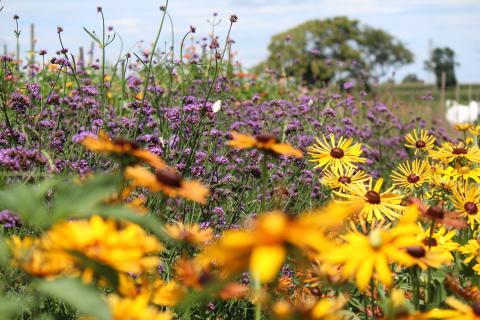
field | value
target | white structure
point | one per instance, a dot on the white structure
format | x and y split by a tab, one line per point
457	113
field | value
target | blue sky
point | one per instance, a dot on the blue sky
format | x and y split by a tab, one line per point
453	23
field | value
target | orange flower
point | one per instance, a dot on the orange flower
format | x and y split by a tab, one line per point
103	144
264	141
169	182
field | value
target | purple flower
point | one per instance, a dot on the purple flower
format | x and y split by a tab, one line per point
9	220
348	85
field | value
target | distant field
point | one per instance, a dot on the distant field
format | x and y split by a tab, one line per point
407	98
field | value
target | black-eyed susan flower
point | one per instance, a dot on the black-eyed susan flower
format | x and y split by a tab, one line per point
419	141
167	181
425	257
462	127
449	152
125	247
440	240
466	200
29	255
371	202
459	311
192	234
128	152
330	153
440	215
475	130
340	177
462	173
365	256
263	141
262	248
471	249
412	175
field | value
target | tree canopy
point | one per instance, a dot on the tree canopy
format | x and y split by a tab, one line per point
442	60
335	49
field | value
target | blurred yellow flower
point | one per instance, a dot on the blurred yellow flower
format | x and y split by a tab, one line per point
125	247
169	182
263	141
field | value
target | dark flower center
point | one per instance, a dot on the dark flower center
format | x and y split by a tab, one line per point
471	208
169	178
459	150
476	308
416	251
266	137
431	242
337	153
373	197
420	144
413	178
345	180
124	142
435	213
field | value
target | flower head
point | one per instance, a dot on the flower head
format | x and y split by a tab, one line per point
263	141
331	153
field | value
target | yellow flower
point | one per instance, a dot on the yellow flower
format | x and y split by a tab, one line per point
462	127
456	152
121	147
366	256
441	239
460	311
412	175
166	180
263	141
475	130
263	247
136	308
443	183
462	173
419	141
331	153
27	253
192	234
466	201
125	247
472	250
427	258
327	309
167	293
372	203
340	177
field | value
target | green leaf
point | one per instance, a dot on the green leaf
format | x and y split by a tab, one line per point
9	308
28	201
150	223
87	299
77	200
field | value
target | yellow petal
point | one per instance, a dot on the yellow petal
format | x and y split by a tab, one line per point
266	261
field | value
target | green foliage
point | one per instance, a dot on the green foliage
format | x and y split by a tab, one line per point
442	60
338	48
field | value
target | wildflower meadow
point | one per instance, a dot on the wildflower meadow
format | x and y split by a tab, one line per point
174	183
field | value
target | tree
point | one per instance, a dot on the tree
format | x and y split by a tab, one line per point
441	61
412	78
337	48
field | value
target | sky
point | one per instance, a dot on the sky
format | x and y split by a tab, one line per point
418	23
